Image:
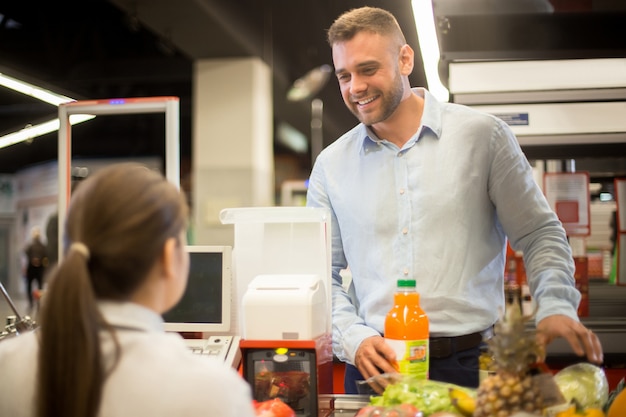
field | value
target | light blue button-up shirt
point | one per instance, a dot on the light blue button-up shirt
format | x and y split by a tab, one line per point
439	211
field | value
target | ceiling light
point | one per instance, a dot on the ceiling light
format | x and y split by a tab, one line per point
33	91
429	46
310	84
47	96
31	132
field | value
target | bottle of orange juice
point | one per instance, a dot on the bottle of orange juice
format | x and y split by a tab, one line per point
407	331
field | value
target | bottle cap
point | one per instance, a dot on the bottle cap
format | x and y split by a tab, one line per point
406	283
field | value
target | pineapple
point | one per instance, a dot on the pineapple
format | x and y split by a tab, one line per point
514	349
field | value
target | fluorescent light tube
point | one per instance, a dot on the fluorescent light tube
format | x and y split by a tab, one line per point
429	46
30	132
33	91
47	96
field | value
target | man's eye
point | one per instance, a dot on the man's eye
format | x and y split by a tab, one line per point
343	77
369	71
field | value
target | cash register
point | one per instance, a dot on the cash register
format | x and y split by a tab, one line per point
203	315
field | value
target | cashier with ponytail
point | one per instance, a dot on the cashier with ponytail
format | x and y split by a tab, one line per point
100	349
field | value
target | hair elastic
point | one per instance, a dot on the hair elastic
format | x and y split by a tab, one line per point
80	248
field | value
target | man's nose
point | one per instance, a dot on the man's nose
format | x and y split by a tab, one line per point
357	85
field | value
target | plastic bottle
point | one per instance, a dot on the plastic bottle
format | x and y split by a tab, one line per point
407	331
522	279
512	290
486	364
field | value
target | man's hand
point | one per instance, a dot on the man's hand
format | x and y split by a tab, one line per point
582	340
375	357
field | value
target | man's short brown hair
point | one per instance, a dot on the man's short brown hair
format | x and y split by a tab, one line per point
364	19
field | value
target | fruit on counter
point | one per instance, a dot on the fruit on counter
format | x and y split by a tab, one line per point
616	406
575	410
428	396
273	408
593	412
462	401
514	349
585	383
401	410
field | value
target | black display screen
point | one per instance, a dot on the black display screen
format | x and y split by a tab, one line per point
202	300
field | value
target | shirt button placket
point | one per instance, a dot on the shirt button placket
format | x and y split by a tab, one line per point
404	208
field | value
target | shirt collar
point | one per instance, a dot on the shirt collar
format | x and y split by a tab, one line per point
431	116
431	120
130	315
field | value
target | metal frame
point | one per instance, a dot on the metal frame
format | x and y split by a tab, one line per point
168	105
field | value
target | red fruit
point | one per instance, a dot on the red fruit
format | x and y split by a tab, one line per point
410	410
367	411
402	410
273	408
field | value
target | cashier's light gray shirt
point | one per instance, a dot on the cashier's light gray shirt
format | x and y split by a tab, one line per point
439	211
157	375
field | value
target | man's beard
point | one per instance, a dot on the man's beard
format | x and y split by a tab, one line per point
390	103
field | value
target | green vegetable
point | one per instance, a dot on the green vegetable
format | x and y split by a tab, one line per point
619	388
584	382
427	395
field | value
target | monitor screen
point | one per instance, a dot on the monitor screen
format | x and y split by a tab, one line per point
206	303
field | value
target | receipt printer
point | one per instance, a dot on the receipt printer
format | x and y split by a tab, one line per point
285	307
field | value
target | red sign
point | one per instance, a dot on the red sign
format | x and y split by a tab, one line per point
568	195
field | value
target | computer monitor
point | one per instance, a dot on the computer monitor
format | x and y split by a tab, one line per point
206	304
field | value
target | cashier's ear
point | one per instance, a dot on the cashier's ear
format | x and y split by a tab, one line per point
168	259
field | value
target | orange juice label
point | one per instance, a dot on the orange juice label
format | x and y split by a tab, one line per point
412	356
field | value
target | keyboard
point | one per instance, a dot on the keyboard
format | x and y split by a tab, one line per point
222	347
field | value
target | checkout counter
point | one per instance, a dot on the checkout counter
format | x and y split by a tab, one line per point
607	318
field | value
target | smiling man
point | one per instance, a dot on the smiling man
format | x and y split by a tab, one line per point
430	191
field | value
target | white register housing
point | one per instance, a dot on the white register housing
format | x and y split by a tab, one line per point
285	307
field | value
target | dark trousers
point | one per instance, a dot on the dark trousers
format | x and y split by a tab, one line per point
33	274
460	368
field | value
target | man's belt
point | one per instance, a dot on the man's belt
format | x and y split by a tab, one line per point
443	347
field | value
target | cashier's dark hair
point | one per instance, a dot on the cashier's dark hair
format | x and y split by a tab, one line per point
118	222
365	19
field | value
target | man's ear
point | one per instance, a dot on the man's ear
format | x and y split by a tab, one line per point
406	60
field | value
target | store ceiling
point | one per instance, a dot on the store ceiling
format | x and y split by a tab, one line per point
135	48
127	48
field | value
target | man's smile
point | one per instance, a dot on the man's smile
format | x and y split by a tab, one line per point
365	101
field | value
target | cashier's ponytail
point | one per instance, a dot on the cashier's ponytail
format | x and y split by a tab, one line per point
118	222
